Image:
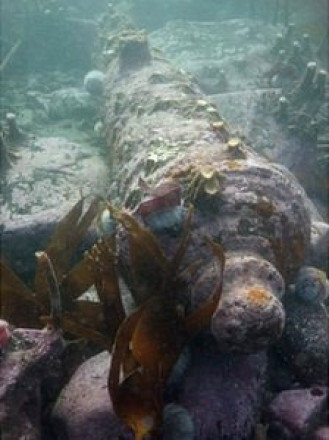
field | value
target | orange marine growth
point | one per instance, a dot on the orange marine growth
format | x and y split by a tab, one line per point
258	295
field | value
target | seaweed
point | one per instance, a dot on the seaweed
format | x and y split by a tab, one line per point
56	286
146	344
149	341
103	258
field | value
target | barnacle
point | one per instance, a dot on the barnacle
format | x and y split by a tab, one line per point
103	259
264	206
235	148
220	127
203	180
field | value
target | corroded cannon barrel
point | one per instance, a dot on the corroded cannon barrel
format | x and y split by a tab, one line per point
160	130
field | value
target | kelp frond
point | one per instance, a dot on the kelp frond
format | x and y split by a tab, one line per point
103	265
201	317
45	264
150	342
64	241
150	268
54	283
147	343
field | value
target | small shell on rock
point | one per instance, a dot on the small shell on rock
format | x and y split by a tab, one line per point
164	197
106	223
311	285
162	209
177	423
235	148
171	219
99	128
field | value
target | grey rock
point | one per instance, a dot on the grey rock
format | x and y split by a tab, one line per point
93	82
319	249
177	423
21	238
235	46
71	103
304	345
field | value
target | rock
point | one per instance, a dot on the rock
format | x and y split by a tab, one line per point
304	345
318	255
49	174
39	192
250	315
93	82
222	393
28	366
71	103
177	423
311	285
84	408
235	47
5	334
216	389
294	414
21	238
321	433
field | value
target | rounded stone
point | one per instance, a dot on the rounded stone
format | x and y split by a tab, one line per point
94	82
311	285
84	408
304	345
250	315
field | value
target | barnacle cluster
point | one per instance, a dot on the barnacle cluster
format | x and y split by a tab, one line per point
302	108
203	181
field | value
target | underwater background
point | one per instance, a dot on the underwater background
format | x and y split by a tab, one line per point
164	219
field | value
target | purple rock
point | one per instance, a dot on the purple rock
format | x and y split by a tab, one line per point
84	408
298	411
31	360
321	433
250	315
220	394
223	394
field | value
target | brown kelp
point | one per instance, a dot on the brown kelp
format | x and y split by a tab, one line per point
150	340
52	300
